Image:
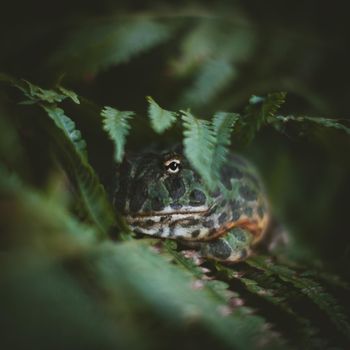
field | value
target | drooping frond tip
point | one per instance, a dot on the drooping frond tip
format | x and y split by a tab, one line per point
161	119
116	123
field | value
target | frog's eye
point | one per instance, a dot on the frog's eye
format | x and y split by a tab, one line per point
172	166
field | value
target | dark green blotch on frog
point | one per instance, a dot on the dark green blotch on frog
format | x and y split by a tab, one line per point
247	193
197	198
222	218
235	209
219	249
175	186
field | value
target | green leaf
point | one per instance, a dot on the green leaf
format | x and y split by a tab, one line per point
263	109
116	123
271	295
110	41
70	149
259	112
67	125
35	211
69	93
35	92
199	142
310	288
323	122
161	119
170	294
212	77
223	124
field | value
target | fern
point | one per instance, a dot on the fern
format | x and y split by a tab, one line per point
313	290
37	211
161	119
69	93
71	150
317	121
259	112
110	41
91	192
272	297
36	93
169	293
211	79
116	123
68	127
222	123
199	141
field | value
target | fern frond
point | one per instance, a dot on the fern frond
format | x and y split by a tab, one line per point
116	123
322	122
212	77
222	124
259	112
310	288
36	212
161	119
110	41
37	94
199	141
69	93
34	92
67	125
171	293
70	148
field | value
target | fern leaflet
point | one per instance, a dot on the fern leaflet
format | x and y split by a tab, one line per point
312	289
260	111
161	119
323	122
68	127
222	124
116	123
199	142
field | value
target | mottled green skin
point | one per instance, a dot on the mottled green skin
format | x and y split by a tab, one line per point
223	224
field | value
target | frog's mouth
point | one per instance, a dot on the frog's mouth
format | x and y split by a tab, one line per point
187	223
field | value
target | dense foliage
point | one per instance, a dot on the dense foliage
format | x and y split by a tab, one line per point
72	273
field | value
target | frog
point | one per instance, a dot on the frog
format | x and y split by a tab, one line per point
160	194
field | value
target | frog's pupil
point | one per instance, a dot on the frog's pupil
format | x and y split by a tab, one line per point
173	167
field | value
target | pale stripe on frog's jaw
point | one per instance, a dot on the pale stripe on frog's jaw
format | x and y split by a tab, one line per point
185	210
187	223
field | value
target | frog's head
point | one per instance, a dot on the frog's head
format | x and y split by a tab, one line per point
162	195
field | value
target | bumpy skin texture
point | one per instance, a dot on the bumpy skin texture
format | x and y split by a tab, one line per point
161	195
